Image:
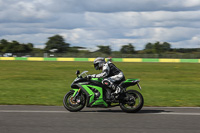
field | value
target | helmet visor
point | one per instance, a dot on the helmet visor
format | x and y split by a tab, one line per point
96	66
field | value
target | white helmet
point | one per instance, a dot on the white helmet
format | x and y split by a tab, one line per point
98	63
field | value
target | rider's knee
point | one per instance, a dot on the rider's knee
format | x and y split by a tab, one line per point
107	82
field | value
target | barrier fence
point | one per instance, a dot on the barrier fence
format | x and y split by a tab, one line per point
113	59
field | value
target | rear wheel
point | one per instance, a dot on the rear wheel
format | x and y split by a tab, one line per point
132	102
74	105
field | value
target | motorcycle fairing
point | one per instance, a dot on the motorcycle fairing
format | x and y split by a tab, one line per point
129	82
90	95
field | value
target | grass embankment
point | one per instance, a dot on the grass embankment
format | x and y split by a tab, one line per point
45	83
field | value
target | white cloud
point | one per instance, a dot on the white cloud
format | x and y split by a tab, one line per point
92	22
191	3
22	11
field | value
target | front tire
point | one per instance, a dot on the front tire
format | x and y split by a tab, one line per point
132	102
71	105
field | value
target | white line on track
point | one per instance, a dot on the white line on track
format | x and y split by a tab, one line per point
164	113
173	107
39	111
30	111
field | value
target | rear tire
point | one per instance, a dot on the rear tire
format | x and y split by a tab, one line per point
132	102
73	106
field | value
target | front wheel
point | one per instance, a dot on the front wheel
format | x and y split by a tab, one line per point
74	105
132	102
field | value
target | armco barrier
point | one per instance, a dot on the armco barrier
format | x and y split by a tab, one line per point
113	59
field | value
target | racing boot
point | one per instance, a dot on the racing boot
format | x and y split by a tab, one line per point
116	92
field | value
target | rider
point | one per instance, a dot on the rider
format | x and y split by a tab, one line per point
110	73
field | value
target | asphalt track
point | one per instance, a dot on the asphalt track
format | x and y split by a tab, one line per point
55	119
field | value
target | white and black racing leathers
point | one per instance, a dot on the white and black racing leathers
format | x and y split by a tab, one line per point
111	75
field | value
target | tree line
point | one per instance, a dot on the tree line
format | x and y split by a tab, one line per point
15	47
57	44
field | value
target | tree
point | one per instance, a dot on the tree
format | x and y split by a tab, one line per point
166	46
15	47
157	48
4	42
104	49
10	48
56	42
128	49
21	49
1	47
149	46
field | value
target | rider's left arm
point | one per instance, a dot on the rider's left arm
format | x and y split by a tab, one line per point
105	72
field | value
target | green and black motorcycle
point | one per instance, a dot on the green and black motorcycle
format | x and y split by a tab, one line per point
91	93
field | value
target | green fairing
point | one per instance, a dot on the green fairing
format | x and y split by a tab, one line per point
97	79
100	100
130	80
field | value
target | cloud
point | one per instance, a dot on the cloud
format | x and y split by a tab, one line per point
121	5
22	12
93	22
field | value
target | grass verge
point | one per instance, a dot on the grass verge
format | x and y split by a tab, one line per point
45	83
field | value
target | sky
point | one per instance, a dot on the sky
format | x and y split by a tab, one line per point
89	23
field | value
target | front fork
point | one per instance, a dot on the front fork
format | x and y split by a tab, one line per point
76	93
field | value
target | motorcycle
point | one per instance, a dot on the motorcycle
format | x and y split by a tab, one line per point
90	92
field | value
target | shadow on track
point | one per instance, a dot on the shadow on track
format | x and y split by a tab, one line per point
145	111
152	111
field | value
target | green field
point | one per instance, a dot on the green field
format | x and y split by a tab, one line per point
45	83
